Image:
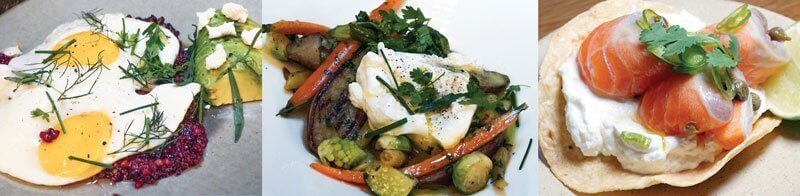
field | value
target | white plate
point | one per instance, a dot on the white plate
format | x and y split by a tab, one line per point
501	36
227	167
767	166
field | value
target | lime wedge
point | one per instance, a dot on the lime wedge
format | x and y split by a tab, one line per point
783	89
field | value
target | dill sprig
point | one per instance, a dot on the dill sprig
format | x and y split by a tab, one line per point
153	128
90	17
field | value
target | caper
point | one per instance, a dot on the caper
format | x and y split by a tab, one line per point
741	90
756	101
777	34
690	128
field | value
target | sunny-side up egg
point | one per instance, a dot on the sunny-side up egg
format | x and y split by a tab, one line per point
96	126
447	125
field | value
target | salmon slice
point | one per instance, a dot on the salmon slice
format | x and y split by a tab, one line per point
683	104
761	56
614	64
735	132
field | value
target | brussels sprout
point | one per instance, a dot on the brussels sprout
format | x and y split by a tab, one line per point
389	142
471	172
393	158
276	44
340	153
425	144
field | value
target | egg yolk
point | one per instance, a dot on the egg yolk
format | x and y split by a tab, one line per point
86	138
88	48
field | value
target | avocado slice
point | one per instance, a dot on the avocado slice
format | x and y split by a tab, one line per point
246	62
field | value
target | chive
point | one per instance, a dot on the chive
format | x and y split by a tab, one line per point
238	111
58	115
200	103
524	157
95	163
439	103
395	94
386	128
385	60
138	108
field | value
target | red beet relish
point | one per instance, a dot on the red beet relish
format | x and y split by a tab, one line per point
185	150
5	59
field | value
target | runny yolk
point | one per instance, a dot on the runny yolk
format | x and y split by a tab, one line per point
87	49
86	137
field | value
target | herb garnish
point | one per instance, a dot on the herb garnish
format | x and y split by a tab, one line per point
527	150
139	108
153	128
386	128
95	163
238	110
55	110
409	33
38	113
687	53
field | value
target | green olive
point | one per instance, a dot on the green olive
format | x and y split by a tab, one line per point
471	172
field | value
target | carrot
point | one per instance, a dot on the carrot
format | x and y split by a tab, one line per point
297	27
343	52
385	6
484	135
732	134
355	177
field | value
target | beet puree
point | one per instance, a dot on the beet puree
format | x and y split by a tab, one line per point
183	152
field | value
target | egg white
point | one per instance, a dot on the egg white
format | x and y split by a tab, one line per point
19	134
448	125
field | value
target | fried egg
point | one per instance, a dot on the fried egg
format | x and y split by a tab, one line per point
447	125
100	116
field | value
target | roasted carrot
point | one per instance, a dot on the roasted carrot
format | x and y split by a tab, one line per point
341	53
484	135
385	6
355	177
297	27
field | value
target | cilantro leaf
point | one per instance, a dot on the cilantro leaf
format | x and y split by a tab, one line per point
421	77
717	58
675	39
39	113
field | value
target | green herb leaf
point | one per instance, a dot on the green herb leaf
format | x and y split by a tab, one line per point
238	110
421	77
38	113
395	94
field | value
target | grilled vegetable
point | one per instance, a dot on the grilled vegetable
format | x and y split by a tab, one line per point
392	158
490	81
341	153
471	173
388	142
385	180
308	51
276	45
332	114
294	80
500	161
